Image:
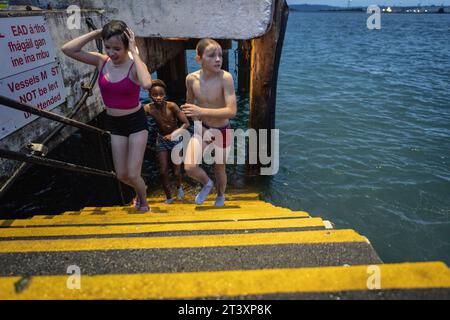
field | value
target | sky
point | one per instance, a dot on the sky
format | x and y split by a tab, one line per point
366	3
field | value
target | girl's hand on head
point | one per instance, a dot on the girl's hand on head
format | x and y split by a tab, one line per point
131	40
191	110
98	34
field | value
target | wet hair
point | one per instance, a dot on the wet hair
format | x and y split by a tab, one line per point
158	83
115	28
203	44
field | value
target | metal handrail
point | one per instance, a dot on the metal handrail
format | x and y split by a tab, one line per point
49	115
13	155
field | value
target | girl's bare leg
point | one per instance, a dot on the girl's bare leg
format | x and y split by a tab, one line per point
119	147
137	143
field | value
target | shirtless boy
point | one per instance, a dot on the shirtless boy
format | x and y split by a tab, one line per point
211	99
166	114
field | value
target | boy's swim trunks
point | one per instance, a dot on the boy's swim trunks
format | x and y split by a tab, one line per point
164	145
225	131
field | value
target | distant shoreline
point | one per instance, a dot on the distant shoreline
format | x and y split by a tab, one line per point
364	11
384	9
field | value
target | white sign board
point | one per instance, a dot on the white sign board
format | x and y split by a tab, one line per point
30	73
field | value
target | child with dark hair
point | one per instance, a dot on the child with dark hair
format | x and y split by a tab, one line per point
115	28
121	74
166	114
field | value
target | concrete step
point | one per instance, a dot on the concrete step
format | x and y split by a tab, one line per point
248	249
211	197
157	212
190	204
190	208
158	228
190	259
45	221
412	279
204	241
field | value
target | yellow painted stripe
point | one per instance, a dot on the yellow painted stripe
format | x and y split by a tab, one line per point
145	228
174	212
230	283
190	206
221	240
178	208
160	212
154	213
148	218
212	196
207	202
209	198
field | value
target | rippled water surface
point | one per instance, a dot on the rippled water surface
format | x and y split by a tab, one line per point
364	117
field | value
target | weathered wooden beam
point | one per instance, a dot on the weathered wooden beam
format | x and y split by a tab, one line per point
265	60
243	57
174	73
156	52
226	60
191	43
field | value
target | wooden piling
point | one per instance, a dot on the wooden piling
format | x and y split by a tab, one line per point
174	73
225	60
265	60
243	62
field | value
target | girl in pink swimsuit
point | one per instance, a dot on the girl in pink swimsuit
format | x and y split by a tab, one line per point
120	79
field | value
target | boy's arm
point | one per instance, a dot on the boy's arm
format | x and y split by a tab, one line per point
147	110
190	97
189	93
227	112
74	49
182	117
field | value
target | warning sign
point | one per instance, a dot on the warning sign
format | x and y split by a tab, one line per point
25	43
30	73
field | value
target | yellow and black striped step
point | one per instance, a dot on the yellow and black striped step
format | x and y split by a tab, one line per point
189	259
216	240
210	252
140	228
45	221
413	279
173	209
